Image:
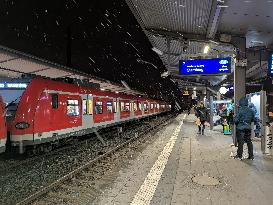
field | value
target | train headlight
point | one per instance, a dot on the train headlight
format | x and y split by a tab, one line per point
22	125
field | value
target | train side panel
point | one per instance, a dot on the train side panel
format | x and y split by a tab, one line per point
3	127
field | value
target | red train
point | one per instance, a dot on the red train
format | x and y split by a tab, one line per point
3	127
46	111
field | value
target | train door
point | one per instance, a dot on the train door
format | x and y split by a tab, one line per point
87	111
132	114
116	110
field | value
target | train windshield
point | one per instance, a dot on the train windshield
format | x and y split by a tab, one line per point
11	97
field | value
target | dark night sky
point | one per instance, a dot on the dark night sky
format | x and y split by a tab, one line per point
106	39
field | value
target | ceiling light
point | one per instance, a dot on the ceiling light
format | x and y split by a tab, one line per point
206	49
159	52
223	90
102	89
182	5
223	6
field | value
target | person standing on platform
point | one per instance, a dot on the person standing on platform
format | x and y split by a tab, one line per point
257	122
203	116
243	120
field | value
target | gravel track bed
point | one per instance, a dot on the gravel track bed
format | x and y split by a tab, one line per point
25	179
88	185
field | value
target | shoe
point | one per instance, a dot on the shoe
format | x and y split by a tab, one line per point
238	158
251	158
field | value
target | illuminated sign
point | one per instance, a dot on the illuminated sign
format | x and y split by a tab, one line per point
13	85
270	64
205	66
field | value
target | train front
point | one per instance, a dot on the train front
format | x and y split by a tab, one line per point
11	92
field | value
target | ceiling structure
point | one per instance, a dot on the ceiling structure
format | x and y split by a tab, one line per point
181	28
15	64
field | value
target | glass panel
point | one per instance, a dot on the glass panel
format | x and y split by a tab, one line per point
54	99
84	107
135	107
109	107
90	107
127	107
73	108
122	106
98	108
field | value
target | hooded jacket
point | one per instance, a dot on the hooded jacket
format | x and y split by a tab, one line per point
245	115
202	113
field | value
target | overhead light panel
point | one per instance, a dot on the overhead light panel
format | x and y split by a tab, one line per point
159	52
206	49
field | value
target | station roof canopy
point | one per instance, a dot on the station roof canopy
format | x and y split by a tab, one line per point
189	25
14	64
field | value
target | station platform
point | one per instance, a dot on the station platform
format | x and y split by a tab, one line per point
181	167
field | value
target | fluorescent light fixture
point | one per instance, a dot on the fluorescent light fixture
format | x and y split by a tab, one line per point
223	90
223	6
159	52
215	42
206	49
102	89
165	74
125	85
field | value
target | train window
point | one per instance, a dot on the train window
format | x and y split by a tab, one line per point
84	107
55	102
146	108
72	108
139	106
157	106
135	106
152	106
122	106
98	108
90	107
109	107
127	107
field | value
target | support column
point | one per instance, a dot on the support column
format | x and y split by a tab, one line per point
239	75
239	90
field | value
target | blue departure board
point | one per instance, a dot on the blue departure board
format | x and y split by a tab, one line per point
205	66
270	64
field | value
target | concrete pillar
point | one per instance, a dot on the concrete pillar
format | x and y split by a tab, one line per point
239	91
239	75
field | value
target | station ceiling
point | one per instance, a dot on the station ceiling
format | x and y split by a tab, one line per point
106	38
189	25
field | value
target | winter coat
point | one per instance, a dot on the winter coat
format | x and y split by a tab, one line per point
245	116
202	113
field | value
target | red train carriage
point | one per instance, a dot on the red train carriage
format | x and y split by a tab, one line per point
3	128
48	111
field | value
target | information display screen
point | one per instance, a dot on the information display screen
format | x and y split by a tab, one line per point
205	66
270	64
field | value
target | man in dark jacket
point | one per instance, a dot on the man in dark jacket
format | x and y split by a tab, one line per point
202	114
243	120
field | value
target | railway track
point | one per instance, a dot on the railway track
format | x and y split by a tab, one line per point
22	178
82	169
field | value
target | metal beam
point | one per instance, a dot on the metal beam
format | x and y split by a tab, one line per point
177	34
215	15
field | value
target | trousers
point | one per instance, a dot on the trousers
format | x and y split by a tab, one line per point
201	127
242	137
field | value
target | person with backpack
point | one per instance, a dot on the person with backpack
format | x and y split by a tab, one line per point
203	116
242	120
